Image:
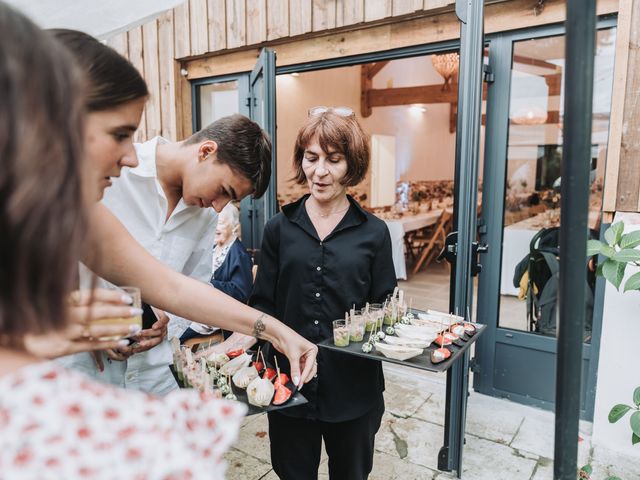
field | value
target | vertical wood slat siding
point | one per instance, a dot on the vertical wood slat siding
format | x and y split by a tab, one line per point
217	24
256	21
182	40
120	44
236	24
152	76
402	7
617	105
349	12
375	10
167	66
277	19
323	15
300	13
628	195
198	22
134	37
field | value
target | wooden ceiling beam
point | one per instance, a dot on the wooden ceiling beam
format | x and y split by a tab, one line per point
376	67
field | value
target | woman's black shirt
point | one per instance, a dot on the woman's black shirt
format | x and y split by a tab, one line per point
308	283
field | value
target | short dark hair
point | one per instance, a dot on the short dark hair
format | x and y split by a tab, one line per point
113	80
243	146
344	135
42	203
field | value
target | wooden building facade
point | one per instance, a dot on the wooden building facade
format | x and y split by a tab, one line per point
204	38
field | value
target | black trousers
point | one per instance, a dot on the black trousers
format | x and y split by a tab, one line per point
296	445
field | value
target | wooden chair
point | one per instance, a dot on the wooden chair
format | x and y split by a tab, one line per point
433	246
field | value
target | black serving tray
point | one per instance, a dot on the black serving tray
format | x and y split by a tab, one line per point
422	361
296	399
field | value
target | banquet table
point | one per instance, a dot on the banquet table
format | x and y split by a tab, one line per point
398	228
515	245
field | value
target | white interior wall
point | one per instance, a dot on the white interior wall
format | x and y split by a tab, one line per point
425	148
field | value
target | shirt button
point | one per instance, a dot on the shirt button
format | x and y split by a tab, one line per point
318	268
315	322
317	294
315	376
320	243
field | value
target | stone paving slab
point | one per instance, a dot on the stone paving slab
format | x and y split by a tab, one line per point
505	440
486	460
241	466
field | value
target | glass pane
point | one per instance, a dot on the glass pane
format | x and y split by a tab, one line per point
218	100
532	187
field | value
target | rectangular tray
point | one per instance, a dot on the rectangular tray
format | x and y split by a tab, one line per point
241	394
422	361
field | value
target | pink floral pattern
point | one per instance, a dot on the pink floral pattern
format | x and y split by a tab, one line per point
58	424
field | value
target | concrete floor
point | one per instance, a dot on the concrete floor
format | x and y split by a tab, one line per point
504	440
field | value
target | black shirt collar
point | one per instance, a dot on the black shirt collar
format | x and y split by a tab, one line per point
297	213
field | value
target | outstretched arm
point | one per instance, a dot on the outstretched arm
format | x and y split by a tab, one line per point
123	261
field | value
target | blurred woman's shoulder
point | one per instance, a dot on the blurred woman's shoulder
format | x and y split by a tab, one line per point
71	426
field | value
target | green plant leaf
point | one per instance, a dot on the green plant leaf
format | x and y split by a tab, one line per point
630	240
614	233
613	271
634	439
607	251
627	255
599	270
593	247
587	469
633	283
634	421
617	412
636	396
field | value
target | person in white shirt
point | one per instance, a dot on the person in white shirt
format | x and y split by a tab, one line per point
163	203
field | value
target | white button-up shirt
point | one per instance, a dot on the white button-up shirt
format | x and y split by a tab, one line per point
183	242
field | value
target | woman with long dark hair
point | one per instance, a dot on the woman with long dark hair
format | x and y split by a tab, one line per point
56	423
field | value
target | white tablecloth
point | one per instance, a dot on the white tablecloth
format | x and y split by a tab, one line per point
397	229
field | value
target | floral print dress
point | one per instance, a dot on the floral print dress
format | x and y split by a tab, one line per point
59	424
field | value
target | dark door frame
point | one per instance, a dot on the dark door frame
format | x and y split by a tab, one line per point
494	175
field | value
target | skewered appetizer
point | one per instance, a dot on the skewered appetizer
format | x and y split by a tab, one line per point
440	355
442	340
397	352
243	377
260	392
232	366
218	359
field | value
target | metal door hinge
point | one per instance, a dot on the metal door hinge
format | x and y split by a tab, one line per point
474	366
488	73
247	102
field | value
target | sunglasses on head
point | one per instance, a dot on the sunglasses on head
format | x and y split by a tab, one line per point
340	111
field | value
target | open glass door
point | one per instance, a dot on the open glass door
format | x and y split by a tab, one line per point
516	358
262	110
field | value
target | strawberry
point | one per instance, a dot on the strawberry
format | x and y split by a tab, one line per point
282	394
282	379
269	373
235	353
